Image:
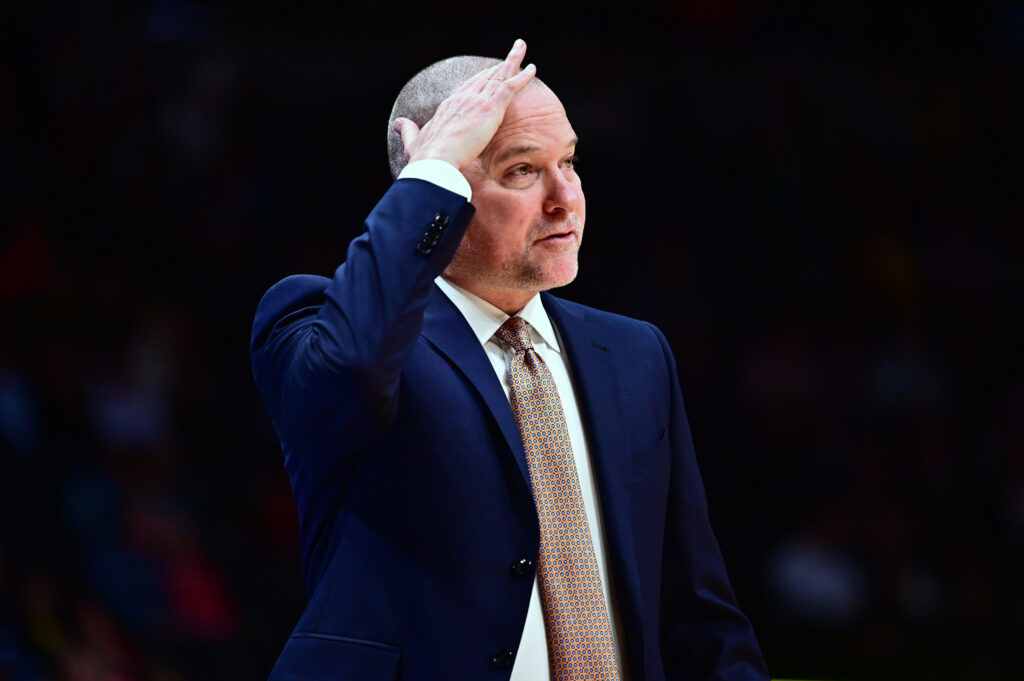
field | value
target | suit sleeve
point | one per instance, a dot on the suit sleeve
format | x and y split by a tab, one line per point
704	634
327	354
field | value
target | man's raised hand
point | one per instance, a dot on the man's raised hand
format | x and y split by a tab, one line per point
465	122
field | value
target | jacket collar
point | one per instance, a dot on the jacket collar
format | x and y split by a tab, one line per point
485	319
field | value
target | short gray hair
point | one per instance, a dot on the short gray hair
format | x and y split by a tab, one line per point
419	98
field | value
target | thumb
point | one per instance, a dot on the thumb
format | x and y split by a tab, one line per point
408	130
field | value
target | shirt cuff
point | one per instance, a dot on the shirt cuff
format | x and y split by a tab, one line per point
441	173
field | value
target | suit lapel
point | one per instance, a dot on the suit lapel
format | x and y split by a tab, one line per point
592	360
447	330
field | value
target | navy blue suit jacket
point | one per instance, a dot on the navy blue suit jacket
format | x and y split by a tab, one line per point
411	483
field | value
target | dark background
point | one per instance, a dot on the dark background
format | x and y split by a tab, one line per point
819	205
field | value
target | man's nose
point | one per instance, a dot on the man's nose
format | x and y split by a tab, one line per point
563	193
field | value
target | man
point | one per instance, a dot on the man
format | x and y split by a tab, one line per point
491	482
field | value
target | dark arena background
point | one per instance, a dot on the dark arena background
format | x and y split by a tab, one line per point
819	203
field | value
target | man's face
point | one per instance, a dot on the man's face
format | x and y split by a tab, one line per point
529	204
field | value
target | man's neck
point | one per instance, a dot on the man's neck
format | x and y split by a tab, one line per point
509	301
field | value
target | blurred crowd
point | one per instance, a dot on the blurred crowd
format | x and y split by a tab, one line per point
818	206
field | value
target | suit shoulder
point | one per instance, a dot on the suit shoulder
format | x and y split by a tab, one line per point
609	322
638	347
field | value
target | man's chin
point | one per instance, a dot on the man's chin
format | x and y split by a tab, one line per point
561	276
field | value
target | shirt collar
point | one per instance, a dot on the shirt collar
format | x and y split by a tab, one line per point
485	319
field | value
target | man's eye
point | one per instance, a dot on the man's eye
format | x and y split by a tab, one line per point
521	170
572	161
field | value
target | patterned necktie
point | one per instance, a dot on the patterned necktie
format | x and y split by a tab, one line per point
579	632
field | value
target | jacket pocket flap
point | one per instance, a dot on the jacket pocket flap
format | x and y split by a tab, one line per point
312	657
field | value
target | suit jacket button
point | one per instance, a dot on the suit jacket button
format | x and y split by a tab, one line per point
502	658
522	567
440	220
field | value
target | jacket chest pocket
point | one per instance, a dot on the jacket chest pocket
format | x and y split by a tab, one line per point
651	460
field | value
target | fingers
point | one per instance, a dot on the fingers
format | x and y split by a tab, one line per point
506	90
522	79
408	130
501	71
510	66
507	74
509	71
477	82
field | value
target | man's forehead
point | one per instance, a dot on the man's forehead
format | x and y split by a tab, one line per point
534	121
533	101
503	152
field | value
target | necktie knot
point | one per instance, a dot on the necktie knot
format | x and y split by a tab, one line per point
516	333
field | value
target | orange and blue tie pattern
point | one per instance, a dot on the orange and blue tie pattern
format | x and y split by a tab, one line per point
579	632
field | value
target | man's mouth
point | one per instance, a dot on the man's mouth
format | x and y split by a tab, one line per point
559	237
